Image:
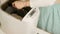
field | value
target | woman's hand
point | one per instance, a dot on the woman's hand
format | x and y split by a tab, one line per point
20	4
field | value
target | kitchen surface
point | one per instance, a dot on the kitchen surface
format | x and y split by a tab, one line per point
1	32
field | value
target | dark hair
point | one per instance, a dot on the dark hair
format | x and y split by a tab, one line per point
10	2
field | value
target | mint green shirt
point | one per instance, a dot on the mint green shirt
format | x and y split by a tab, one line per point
49	19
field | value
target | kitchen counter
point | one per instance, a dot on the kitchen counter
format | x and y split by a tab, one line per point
1	32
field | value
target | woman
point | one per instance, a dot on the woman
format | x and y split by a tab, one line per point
33	3
49	15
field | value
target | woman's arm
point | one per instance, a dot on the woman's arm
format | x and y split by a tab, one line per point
57	1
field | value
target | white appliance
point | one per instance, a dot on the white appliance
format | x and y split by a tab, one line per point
28	25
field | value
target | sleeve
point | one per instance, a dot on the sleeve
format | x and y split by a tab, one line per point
41	3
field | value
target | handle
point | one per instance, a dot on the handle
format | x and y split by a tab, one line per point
31	13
